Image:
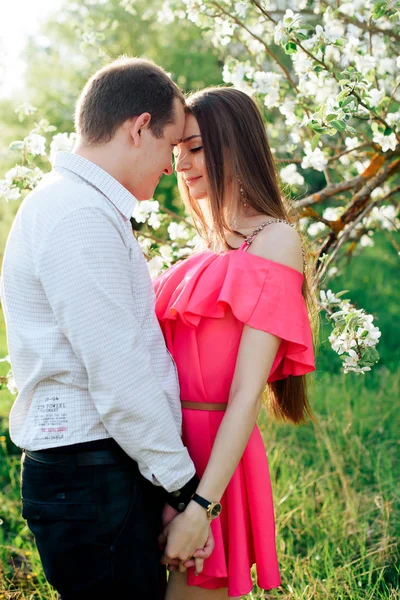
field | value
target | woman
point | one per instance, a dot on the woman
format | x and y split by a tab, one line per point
234	317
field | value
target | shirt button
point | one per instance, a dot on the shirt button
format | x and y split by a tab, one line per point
176	494
181	506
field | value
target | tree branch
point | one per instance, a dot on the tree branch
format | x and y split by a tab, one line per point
259	39
346	234
340	154
352	214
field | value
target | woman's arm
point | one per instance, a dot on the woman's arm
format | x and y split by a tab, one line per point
256	354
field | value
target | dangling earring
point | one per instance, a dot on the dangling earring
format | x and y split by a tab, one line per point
242	192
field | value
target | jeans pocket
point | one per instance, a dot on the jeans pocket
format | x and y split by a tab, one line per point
58	511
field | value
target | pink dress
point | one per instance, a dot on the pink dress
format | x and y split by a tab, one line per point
202	305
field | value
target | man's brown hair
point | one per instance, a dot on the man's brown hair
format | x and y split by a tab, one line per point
122	90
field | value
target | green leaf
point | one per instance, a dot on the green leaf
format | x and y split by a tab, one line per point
318	68
348	100
344	82
351	130
291	48
16	146
378	11
388	131
316	127
314	141
339	125
331	117
343	94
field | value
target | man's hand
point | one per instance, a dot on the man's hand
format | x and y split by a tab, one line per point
184	535
168	514
201	554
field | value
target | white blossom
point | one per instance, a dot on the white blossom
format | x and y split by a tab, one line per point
368	334
386	142
366	241
383	217
35	144
178	231
365	63
328	297
154	221
241	9
144	208
332	213
302	63
286	108
166	253
155	266
347	8
393	119
332	272
291	176
290	18
375	96
316	229
341	343
313	159
332	54
280	35
9	192
386	65
61	142
267	84
303	224
18	173
236	74
11	385
165	15
351	143
333	28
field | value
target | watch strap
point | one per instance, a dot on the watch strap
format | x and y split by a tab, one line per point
202	501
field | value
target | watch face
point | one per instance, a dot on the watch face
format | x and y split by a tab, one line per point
215	510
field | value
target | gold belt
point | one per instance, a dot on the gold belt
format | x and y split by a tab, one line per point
204	405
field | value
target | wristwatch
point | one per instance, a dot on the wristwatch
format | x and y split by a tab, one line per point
213	509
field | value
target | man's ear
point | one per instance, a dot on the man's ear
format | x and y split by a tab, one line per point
135	127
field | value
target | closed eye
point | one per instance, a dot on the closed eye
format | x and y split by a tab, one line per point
197	149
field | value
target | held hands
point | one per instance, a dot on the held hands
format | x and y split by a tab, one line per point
187	537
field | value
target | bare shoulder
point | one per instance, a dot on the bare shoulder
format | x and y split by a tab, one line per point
281	243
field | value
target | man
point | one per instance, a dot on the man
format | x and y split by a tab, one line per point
98	410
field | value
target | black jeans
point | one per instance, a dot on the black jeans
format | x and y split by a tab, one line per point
96	527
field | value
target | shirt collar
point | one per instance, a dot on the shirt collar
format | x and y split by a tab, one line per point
123	200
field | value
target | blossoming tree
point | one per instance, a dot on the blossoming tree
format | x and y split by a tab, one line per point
327	75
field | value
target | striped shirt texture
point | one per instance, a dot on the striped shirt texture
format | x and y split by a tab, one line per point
86	349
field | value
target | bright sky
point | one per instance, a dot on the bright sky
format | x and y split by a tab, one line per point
18	20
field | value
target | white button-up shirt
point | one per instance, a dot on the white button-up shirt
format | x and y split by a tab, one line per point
86	350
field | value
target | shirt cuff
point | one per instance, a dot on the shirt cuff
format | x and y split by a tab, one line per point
179	499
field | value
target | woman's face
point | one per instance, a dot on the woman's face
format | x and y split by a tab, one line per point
189	159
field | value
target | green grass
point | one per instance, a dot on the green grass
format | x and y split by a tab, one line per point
335	492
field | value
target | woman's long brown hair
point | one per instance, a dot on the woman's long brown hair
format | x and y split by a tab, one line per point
236	149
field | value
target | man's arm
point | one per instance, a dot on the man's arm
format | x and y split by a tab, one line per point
85	270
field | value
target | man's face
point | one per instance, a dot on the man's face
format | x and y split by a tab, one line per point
154	157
